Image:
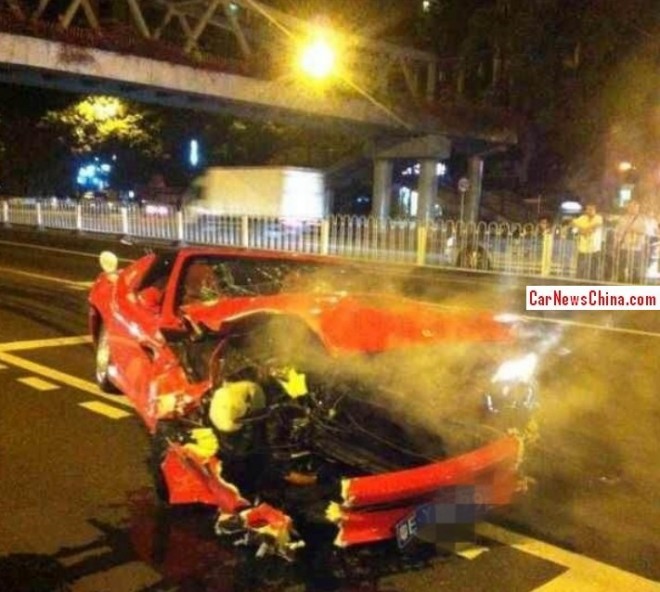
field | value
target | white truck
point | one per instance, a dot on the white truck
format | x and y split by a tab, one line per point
274	191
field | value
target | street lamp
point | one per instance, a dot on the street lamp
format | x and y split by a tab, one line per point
318	58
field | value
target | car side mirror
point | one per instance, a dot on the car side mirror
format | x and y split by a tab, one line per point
109	262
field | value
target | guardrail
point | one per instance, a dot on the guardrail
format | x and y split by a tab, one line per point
522	249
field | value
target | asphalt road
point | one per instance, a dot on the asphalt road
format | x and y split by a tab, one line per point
76	503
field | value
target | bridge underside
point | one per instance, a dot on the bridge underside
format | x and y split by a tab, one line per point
87	85
53	64
422	134
44	63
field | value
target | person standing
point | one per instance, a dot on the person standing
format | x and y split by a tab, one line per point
631	239
589	244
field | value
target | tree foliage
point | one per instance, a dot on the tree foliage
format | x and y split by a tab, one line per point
583	73
102	124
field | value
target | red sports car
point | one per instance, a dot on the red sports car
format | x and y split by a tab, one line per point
279	392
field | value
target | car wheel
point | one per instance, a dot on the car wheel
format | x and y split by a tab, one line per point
159	446
103	363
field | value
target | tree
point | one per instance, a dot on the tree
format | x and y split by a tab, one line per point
111	129
582	73
103	124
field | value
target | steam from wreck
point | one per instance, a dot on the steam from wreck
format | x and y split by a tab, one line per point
431	389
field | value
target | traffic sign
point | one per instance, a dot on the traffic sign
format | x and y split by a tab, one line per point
463	184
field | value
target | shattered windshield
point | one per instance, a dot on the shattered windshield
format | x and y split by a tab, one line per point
209	278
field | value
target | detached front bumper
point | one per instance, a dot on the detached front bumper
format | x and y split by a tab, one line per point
372	506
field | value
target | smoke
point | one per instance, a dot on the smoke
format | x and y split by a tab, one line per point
594	462
432	389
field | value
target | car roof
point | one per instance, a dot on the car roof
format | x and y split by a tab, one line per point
261	254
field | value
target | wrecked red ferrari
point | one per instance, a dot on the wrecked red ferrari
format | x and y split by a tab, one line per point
279	393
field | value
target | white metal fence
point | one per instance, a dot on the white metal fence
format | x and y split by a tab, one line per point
523	249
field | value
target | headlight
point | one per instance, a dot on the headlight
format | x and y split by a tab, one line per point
520	370
513	385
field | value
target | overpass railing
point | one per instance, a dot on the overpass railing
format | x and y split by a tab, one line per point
521	249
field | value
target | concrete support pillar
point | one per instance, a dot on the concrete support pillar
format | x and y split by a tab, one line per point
427	188
382	198
473	197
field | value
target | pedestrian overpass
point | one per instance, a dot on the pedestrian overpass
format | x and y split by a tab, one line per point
235	56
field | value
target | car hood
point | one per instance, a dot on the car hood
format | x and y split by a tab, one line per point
360	322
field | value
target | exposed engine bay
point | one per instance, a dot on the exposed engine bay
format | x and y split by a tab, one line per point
284	426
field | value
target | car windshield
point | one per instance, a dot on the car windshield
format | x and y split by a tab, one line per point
209	278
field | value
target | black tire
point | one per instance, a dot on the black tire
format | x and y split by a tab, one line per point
159	446
103	363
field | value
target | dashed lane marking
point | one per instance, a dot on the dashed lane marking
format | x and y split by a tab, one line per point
42	343
67	379
584	574
38	383
103	409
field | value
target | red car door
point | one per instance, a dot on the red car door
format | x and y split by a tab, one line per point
134	332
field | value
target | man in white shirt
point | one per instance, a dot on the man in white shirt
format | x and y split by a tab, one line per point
589	244
632	241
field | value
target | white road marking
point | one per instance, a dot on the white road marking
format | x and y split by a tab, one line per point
67	379
103	409
47	278
56	250
584	574
562	322
469	551
73	559
38	383
591	326
13	346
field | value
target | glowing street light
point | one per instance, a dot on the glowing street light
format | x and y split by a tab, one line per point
318	59
625	166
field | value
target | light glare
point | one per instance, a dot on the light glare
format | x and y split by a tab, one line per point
521	370
318	59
